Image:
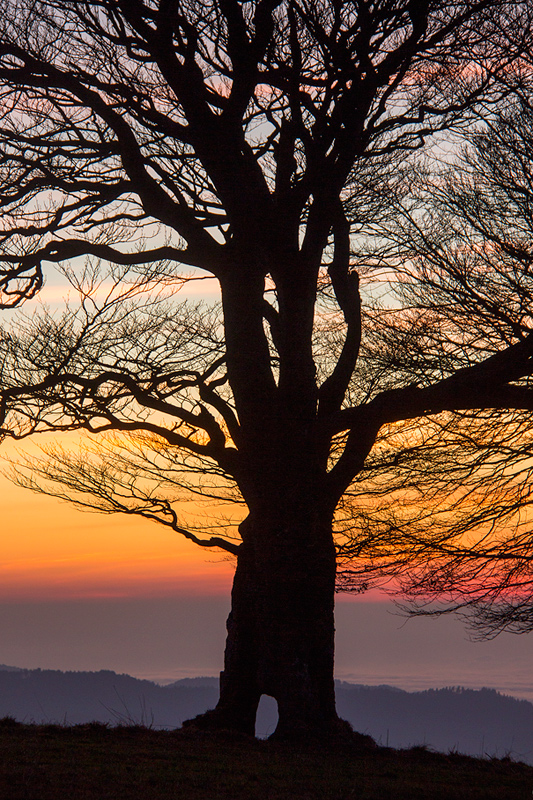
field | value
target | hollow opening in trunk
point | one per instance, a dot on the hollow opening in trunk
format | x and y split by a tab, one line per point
267	717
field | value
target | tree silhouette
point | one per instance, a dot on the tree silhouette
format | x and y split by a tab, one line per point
249	141
466	545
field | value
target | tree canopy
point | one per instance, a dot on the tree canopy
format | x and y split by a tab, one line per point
467	546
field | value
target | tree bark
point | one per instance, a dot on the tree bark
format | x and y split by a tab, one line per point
281	630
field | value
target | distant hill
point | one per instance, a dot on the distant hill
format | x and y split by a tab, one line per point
476	722
73	697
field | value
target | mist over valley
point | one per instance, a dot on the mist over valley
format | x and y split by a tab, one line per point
480	722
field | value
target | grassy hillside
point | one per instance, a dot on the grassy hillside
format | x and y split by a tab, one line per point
93	762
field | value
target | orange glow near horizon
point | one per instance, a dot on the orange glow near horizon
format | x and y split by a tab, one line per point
50	550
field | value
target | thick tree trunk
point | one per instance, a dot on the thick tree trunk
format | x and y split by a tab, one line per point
281	627
281	631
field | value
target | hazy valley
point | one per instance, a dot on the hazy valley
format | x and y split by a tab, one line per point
476	722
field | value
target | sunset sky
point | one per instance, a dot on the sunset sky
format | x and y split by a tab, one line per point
86	592
50	550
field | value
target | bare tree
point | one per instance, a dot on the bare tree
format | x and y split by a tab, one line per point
448	505
244	140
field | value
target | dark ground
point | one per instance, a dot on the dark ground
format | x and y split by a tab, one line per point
94	762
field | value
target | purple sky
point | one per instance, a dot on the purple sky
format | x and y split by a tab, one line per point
178	637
